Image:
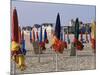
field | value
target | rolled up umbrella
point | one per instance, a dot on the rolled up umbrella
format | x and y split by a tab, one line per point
93	35
78	44
40	35
15	46
58	27
58	43
45	36
37	36
23	44
33	35
30	37
90	34
77	28
15	35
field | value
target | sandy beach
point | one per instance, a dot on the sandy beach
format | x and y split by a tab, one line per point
84	60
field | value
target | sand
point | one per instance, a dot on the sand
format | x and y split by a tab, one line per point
50	62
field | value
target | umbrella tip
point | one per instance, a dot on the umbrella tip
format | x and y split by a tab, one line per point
58	13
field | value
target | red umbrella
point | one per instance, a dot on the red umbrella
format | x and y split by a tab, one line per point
15	35
15	46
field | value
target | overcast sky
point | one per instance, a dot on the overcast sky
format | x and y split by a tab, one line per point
30	13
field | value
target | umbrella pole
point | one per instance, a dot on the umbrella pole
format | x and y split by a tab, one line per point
56	61
39	55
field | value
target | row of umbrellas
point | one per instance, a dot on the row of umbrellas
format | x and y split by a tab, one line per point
38	37
18	42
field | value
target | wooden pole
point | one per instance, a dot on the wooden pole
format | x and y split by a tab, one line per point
56	61
39	55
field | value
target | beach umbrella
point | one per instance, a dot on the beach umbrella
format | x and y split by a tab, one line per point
78	44
41	43
23	44
93	35
58	27
37	36
45	36
58	43
15	45
40	35
15	35
30	37
77	28
20	40
33	35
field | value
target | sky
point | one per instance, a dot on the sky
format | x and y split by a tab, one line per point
30	13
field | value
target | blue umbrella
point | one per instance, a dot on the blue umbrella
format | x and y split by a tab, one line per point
45	35
40	35
58	27
30	36
23	50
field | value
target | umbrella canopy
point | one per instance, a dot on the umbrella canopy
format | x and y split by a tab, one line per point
58	27
15	35
33	35
40	34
